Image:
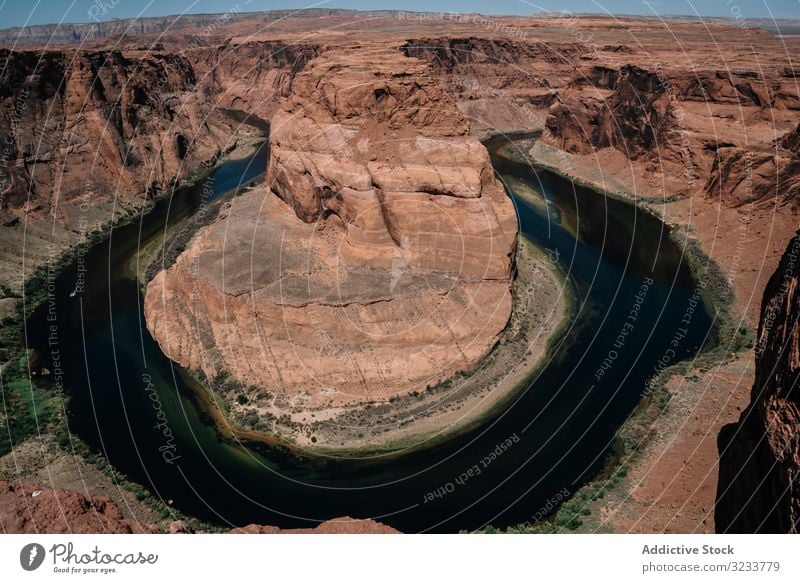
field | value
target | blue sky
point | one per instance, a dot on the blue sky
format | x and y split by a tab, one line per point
18	12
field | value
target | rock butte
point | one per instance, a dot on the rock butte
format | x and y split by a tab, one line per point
376	261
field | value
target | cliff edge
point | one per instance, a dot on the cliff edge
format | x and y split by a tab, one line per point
758	489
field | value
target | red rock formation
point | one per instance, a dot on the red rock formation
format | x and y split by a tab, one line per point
26	509
501	84
652	116
385	246
758	488
769	173
94	126
344	525
250	76
35	509
636	117
90	134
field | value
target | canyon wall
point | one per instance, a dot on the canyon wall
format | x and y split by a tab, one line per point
677	122
88	135
500	84
251	76
93	125
741	175
711	129
376	260
105	124
758	488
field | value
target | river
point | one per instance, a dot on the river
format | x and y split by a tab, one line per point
129	402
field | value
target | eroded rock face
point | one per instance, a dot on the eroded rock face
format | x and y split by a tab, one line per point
116	127
751	175
376	260
35	509
345	525
250	76
635	117
502	85
654	116
758	487
90	134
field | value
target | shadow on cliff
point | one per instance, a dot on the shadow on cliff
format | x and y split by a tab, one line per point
758	489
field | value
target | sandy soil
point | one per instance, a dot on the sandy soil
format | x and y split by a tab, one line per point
671	486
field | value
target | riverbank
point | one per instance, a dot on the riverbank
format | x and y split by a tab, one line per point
661	473
543	306
37	441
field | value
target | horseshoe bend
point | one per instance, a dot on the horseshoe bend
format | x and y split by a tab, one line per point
446	272
374	262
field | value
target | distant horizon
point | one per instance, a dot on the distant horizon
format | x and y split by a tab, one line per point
70	12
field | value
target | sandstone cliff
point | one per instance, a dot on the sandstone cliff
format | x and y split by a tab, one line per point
758	487
501	84
770	173
376	261
636	117
249	76
92	133
102	125
677	122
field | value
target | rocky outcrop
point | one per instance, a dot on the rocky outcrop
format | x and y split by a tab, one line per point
376	261
676	122
85	126
742	176
35	509
492	59
250	76
92	134
30	509
758	489
635	118
501	84
344	525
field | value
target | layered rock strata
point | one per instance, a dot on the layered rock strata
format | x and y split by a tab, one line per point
91	134
678	124
376	260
